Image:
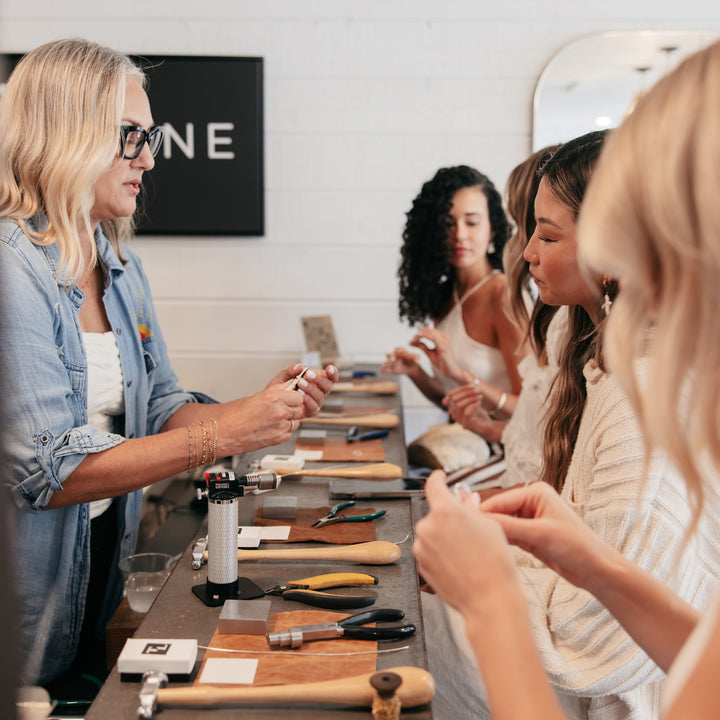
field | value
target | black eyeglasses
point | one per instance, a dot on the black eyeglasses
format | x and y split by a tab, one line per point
133	139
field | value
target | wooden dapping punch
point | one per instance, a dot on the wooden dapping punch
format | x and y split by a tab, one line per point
386	703
417	688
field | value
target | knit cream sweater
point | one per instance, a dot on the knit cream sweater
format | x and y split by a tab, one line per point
597	669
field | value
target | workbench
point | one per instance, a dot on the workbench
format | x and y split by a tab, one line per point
178	613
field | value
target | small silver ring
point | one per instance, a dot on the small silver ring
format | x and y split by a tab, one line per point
292	425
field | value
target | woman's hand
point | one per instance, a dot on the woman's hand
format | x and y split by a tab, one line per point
465	406
313	386
400	362
537	519
461	551
265	418
436	345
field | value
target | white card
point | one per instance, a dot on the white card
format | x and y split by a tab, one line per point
275	532
228	671
310	455
250	536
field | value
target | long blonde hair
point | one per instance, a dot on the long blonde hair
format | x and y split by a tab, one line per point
652	218
59	132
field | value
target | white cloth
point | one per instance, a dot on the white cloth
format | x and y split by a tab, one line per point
483	361
105	391
598	671
523	436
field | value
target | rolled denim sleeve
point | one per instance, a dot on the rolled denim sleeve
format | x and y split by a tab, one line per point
44	377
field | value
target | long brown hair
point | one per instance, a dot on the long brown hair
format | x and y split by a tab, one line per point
520	191
567	174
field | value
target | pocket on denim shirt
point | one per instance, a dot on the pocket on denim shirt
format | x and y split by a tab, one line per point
150	352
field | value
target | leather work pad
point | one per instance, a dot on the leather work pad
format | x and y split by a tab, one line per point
337	449
301	530
285	666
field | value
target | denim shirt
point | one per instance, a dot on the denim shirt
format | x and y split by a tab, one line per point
47	435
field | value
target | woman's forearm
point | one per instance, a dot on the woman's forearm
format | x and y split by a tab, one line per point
129	466
643	605
505	650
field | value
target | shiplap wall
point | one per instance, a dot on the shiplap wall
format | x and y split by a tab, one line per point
364	100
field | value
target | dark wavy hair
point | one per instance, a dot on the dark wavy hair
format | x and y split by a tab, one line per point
567	173
426	275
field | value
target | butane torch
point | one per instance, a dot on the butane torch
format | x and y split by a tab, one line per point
222	492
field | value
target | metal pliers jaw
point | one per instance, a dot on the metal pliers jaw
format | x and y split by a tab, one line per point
349	627
333	517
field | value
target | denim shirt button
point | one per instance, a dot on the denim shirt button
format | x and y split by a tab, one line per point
118	331
44	439
129	383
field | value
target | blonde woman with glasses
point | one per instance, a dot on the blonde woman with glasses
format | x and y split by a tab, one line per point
94	410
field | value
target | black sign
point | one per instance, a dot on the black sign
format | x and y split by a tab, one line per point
208	176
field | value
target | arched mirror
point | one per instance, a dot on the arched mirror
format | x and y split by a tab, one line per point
591	83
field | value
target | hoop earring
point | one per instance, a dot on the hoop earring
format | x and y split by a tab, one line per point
607	302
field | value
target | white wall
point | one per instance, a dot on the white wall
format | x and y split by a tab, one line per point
364	100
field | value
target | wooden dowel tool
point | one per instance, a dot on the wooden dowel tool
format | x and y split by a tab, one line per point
378	420
376	552
379	471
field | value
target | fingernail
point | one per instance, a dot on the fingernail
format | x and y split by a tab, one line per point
303	382
331	370
310	374
302	392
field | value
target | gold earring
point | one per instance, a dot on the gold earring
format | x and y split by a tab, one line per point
607	302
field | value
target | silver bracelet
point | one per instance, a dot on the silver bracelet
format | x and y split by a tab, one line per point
500	405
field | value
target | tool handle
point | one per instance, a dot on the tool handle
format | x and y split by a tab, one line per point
378	471
318	582
364	518
378	420
417	688
376	615
377	552
379	634
329	600
376	387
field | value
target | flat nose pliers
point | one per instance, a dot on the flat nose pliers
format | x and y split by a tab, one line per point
306	590
349	627
333	517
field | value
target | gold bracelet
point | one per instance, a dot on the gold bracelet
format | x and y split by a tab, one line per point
190	450
213	459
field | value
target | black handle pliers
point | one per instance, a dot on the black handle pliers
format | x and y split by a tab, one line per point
349	627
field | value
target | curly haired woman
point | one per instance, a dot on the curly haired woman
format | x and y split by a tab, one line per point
451	280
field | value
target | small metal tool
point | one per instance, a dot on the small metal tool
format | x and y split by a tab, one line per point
332	517
198	553
349	627
293	383
151	682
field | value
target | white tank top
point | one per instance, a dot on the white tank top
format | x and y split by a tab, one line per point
484	362
105	390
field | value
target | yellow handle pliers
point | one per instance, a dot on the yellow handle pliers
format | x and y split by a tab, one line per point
306	590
